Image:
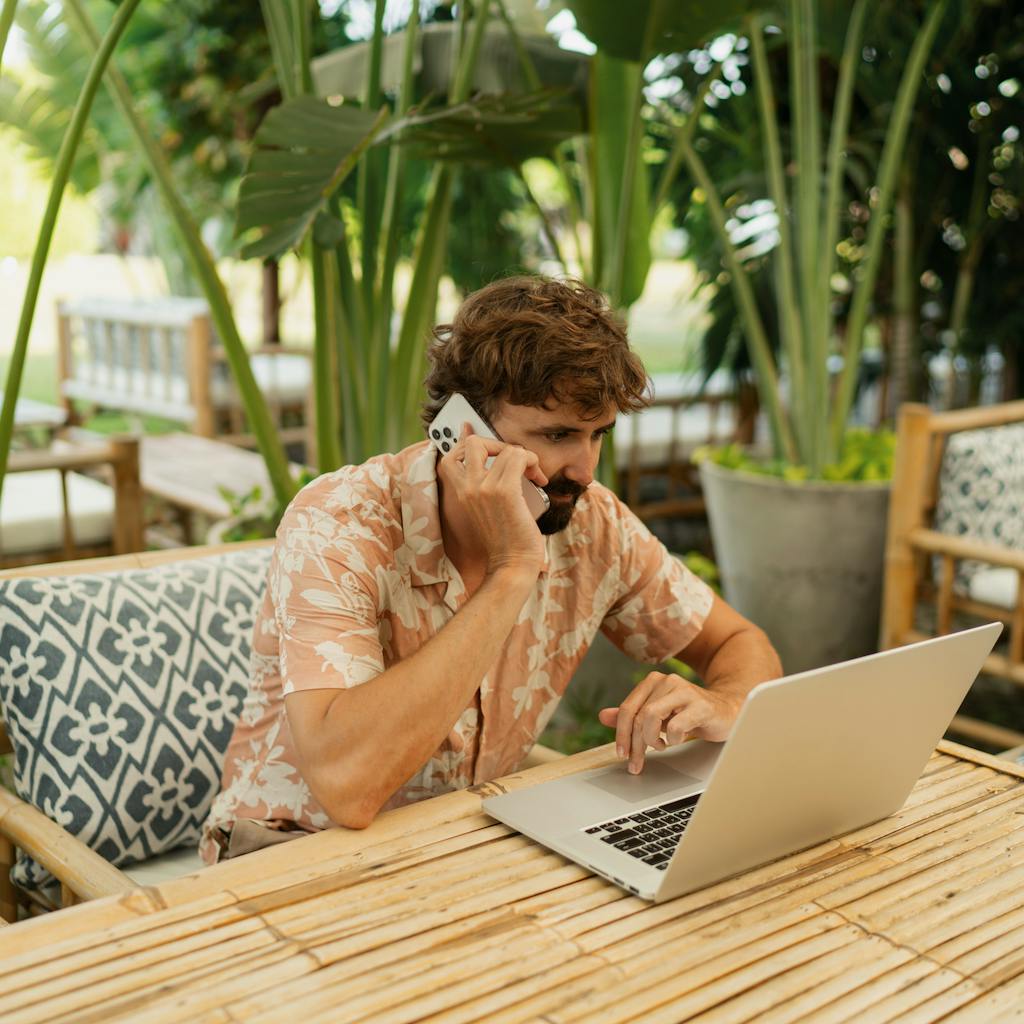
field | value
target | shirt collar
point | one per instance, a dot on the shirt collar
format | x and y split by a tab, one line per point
423	549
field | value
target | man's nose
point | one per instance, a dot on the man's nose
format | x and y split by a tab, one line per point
581	470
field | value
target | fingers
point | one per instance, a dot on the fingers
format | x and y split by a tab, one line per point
473	450
659	704
504	463
513	462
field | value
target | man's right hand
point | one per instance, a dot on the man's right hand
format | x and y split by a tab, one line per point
491	497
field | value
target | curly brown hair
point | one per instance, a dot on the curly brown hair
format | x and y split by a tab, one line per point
528	339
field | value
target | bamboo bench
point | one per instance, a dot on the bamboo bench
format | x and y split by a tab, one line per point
160	358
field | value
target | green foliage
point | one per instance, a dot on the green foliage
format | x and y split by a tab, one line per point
305	149
7	772
703	568
254	515
865	455
783	209
583	730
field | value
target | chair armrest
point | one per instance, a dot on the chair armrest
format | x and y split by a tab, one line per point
60	458
961	547
70	861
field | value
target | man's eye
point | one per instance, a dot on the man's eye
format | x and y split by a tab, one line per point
557	435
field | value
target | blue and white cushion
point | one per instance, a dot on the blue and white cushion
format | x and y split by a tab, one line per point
120	692
981	496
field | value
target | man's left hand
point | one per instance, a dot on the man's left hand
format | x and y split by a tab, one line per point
664	710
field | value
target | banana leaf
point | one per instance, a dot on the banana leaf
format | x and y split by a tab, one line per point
614	86
304	150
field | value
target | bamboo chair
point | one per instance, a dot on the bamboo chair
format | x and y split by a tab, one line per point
116	462
910	595
82	873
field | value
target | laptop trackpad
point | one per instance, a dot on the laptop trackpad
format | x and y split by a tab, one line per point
656	778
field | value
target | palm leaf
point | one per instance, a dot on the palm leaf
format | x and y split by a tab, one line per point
304	150
41	124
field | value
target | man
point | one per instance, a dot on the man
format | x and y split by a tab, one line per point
419	627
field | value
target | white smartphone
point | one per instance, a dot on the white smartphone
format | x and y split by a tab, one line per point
446	427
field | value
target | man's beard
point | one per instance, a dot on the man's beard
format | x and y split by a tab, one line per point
557	517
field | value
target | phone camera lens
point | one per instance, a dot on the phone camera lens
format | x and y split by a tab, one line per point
446	446
435	434
447	432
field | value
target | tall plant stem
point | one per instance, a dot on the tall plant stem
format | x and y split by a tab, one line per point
328	434
892	152
280	20
803	66
835	158
205	270
370	174
380	365
6	21
790	326
617	271
61	173
764	367
683	135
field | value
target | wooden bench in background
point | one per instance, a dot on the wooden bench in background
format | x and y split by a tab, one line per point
160	358
654	447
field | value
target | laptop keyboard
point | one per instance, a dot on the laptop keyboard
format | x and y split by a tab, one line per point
650	835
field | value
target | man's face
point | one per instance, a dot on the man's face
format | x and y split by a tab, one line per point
567	445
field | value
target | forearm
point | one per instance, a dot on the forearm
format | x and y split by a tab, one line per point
740	662
374	737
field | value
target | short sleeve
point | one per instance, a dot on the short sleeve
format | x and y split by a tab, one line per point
325	600
660	604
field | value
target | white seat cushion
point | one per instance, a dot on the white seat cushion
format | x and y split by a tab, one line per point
31	511
176	864
994	586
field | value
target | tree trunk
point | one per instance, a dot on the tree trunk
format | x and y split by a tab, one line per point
271	303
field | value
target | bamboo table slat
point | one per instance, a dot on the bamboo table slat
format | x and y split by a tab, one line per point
437	913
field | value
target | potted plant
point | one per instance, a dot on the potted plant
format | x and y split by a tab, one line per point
799	536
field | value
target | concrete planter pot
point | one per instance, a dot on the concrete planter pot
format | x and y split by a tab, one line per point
802	560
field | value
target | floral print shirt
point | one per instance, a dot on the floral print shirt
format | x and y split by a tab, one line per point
359	580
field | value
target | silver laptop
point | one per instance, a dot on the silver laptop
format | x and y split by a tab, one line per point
810	757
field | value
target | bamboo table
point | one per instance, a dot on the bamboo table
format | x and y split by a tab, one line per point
438	913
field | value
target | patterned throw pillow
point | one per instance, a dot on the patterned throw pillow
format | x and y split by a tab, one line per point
120	692
981	492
